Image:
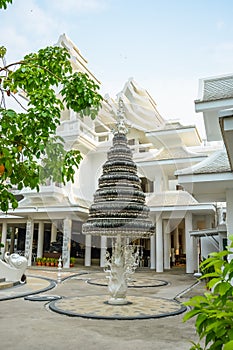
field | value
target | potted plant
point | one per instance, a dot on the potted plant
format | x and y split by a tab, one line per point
47	262
38	261
52	261
43	261
72	261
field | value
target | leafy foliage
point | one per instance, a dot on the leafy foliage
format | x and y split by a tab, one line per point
87	98
214	310
4	3
30	151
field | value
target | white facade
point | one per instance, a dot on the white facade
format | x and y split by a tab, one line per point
212	179
160	149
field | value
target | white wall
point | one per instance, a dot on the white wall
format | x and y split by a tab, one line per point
90	170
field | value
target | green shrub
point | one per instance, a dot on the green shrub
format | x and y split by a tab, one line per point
214	310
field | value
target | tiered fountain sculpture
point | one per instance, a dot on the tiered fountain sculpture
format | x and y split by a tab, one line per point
119	211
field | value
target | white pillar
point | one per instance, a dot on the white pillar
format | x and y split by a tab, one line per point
29	240
167	244
66	242
152	252
40	242
103	247
3	239
53	233
159	244
88	250
198	251
189	244
229	216
158	183
176	241
183	242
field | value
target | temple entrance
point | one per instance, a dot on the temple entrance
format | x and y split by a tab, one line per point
178	251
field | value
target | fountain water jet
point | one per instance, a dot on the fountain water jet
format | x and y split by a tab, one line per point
119	211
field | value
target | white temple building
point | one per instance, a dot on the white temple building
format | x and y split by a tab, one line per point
164	152
212	179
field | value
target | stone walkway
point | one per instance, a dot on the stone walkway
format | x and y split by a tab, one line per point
96	305
82	294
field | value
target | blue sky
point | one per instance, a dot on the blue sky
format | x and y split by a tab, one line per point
165	45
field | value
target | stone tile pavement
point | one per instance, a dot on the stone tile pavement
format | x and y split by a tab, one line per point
32	324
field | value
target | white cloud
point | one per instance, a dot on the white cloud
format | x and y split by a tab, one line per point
29	25
25	27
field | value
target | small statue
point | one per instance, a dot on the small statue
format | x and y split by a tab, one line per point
13	268
16	260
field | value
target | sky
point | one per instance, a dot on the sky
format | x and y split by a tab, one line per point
165	45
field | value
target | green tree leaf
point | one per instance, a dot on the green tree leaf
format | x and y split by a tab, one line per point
214	310
4	3
28	138
228	346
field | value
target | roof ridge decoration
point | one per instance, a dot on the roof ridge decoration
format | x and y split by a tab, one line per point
121	127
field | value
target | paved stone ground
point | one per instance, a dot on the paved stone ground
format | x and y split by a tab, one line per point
26	324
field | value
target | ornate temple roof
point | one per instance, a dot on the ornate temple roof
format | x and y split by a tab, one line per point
77	60
140	108
216	163
171	198
176	153
216	88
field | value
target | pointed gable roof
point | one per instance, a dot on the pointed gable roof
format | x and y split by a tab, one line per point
216	163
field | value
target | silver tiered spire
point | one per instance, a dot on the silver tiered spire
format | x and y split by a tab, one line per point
119	211
121	125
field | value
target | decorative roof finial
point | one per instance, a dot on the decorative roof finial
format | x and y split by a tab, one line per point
120	125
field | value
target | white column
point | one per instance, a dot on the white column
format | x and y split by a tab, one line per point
88	250
40	242
103	247
66	242
167	244
196	257
183	242
152	252
189	244
176	241
3	239
158	183
229	216
53	233
29	240
159	244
